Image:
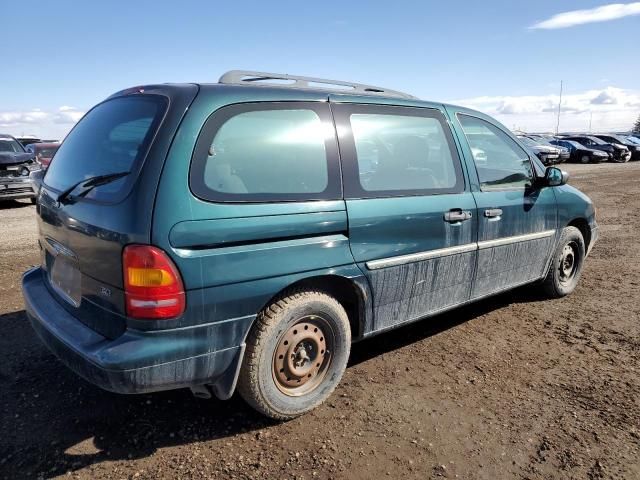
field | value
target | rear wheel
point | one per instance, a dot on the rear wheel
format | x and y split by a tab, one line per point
584	159
566	264
296	354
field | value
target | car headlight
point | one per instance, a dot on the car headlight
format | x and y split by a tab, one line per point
24	171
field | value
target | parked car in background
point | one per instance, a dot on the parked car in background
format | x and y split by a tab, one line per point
548	154
618	153
17	167
43	152
563	153
581	154
214	235
613	139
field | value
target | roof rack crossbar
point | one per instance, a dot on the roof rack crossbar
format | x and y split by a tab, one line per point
240	77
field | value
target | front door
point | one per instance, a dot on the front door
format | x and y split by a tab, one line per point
412	220
516	220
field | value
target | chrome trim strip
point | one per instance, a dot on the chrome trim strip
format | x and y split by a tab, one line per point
443	252
515	239
420	256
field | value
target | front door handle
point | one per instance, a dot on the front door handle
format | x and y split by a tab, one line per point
457	215
493	212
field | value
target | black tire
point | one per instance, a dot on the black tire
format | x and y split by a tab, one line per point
566	264
267	387
33	200
584	159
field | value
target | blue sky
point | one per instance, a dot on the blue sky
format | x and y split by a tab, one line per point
62	57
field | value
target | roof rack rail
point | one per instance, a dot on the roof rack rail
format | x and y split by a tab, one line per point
240	77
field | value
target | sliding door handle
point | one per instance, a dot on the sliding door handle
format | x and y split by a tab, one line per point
457	215
493	212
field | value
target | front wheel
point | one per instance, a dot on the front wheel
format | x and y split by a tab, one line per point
566	264
297	352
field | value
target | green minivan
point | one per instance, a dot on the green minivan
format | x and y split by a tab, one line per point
244	233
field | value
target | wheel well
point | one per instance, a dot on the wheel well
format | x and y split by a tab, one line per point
582	225
343	290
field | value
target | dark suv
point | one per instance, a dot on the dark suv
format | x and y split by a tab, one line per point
617	152
244	234
612	138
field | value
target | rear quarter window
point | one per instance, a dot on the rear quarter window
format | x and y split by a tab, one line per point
113	137
267	152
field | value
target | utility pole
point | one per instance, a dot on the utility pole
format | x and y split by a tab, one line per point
559	108
590	118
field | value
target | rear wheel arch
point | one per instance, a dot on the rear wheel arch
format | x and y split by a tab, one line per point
345	290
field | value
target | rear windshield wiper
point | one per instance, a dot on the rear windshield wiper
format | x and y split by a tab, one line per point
89	184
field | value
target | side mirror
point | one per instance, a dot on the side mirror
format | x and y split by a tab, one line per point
554	177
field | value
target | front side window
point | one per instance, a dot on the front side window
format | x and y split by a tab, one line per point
265	153
397	151
504	165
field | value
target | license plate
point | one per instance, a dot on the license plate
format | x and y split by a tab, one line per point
65	279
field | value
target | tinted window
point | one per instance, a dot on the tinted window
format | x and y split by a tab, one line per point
396	151
399	153
504	163
262	153
113	137
47	152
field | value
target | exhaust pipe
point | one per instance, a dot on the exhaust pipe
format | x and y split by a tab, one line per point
201	391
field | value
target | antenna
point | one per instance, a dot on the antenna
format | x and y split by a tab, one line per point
559	108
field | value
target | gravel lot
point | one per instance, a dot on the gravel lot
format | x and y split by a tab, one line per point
512	387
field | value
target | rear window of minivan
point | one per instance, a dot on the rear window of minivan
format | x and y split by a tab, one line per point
113	137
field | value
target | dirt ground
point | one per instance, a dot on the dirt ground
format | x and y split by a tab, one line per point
512	387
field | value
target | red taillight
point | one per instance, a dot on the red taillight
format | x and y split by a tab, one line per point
152	284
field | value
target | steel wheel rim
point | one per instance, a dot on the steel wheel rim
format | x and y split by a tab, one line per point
568	262
303	355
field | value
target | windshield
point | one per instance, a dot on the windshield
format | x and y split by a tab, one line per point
47	152
113	137
634	139
618	138
597	141
9	145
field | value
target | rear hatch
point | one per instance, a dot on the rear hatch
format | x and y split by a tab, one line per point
83	228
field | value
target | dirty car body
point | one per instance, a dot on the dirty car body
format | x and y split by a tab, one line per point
237	234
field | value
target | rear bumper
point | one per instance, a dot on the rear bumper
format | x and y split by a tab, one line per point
137	361
15	188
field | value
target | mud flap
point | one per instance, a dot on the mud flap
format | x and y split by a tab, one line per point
226	384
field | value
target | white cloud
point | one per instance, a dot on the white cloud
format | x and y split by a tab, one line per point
68	115
604	13
44	124
610	108
26	117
